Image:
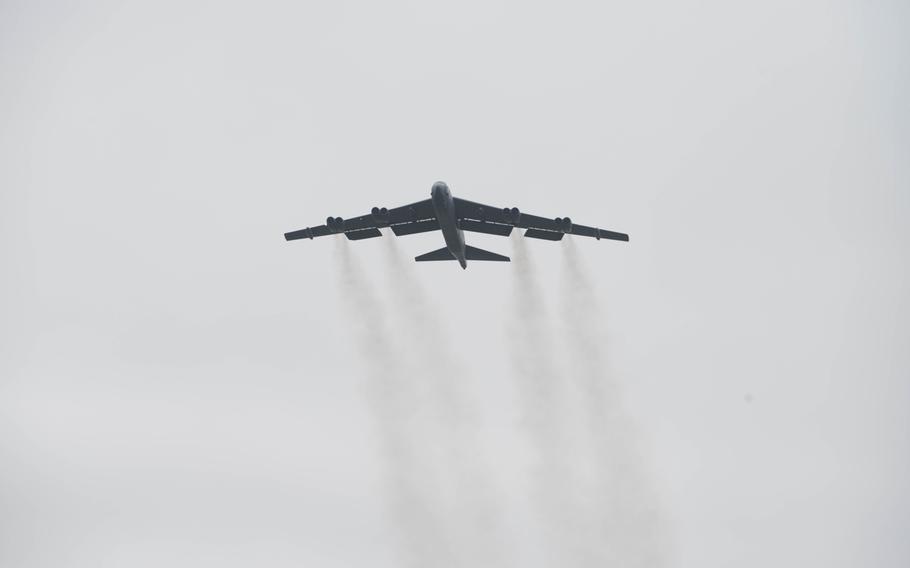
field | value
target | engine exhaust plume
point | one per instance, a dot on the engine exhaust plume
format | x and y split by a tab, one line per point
546	418
624	503
452	414
410	479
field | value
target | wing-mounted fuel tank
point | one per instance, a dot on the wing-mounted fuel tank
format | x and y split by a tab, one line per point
511	216
380	216
335	224
563	224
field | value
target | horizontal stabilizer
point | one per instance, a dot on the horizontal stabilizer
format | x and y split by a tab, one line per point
441	254
474	253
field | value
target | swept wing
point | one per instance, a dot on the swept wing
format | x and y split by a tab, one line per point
477	217
410	219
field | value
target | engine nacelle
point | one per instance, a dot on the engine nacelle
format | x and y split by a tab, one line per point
512	216
380	215
563	224
335	224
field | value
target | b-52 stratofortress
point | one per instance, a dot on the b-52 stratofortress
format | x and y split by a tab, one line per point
453	216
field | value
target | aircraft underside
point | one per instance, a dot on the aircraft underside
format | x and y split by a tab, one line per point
452	216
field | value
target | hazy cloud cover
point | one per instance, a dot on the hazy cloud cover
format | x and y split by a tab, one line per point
180	386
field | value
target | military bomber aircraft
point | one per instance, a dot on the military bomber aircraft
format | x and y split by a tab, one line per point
452	216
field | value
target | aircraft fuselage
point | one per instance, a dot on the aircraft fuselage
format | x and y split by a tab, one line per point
444	206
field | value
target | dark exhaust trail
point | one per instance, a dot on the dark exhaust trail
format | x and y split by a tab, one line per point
413	495
542	392
451	415
623	501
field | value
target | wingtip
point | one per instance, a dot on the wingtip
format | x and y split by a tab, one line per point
611	235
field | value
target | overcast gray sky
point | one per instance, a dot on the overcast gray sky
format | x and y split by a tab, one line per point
178	385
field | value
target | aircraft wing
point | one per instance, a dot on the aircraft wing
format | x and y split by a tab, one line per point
500	221
410	219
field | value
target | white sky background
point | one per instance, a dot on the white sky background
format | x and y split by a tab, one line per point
178	385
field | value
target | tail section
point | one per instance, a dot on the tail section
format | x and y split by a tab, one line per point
474	253
470	253
441	254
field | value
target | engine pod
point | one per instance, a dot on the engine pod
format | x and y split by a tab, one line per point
380	215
